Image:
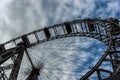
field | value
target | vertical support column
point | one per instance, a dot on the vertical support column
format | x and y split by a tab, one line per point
26	41
68	27
36	36
99	32
91	25
47	33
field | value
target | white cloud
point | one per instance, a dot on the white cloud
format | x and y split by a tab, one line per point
108	9
26	15
23	16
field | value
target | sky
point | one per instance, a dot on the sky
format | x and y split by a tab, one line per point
18	17
23	16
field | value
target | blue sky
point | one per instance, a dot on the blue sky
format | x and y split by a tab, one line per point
22	16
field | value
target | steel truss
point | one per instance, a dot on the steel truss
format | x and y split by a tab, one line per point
104	30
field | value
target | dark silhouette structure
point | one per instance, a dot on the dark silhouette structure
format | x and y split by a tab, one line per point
104	30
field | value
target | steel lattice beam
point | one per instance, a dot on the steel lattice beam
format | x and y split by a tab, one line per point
105	30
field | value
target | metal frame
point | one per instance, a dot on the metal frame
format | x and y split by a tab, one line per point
100	29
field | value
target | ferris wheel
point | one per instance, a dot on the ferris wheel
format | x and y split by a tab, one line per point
57	52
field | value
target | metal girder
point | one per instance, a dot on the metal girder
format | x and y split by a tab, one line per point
95	68
7	67
9	53
115	77
16	66
3	76
105	30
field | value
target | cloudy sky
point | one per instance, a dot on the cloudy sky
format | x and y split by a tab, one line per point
22	16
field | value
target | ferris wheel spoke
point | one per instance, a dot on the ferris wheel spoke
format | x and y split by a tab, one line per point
65	71
51	77
55	75
70	67
47	76
62	72
60	58
65	60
